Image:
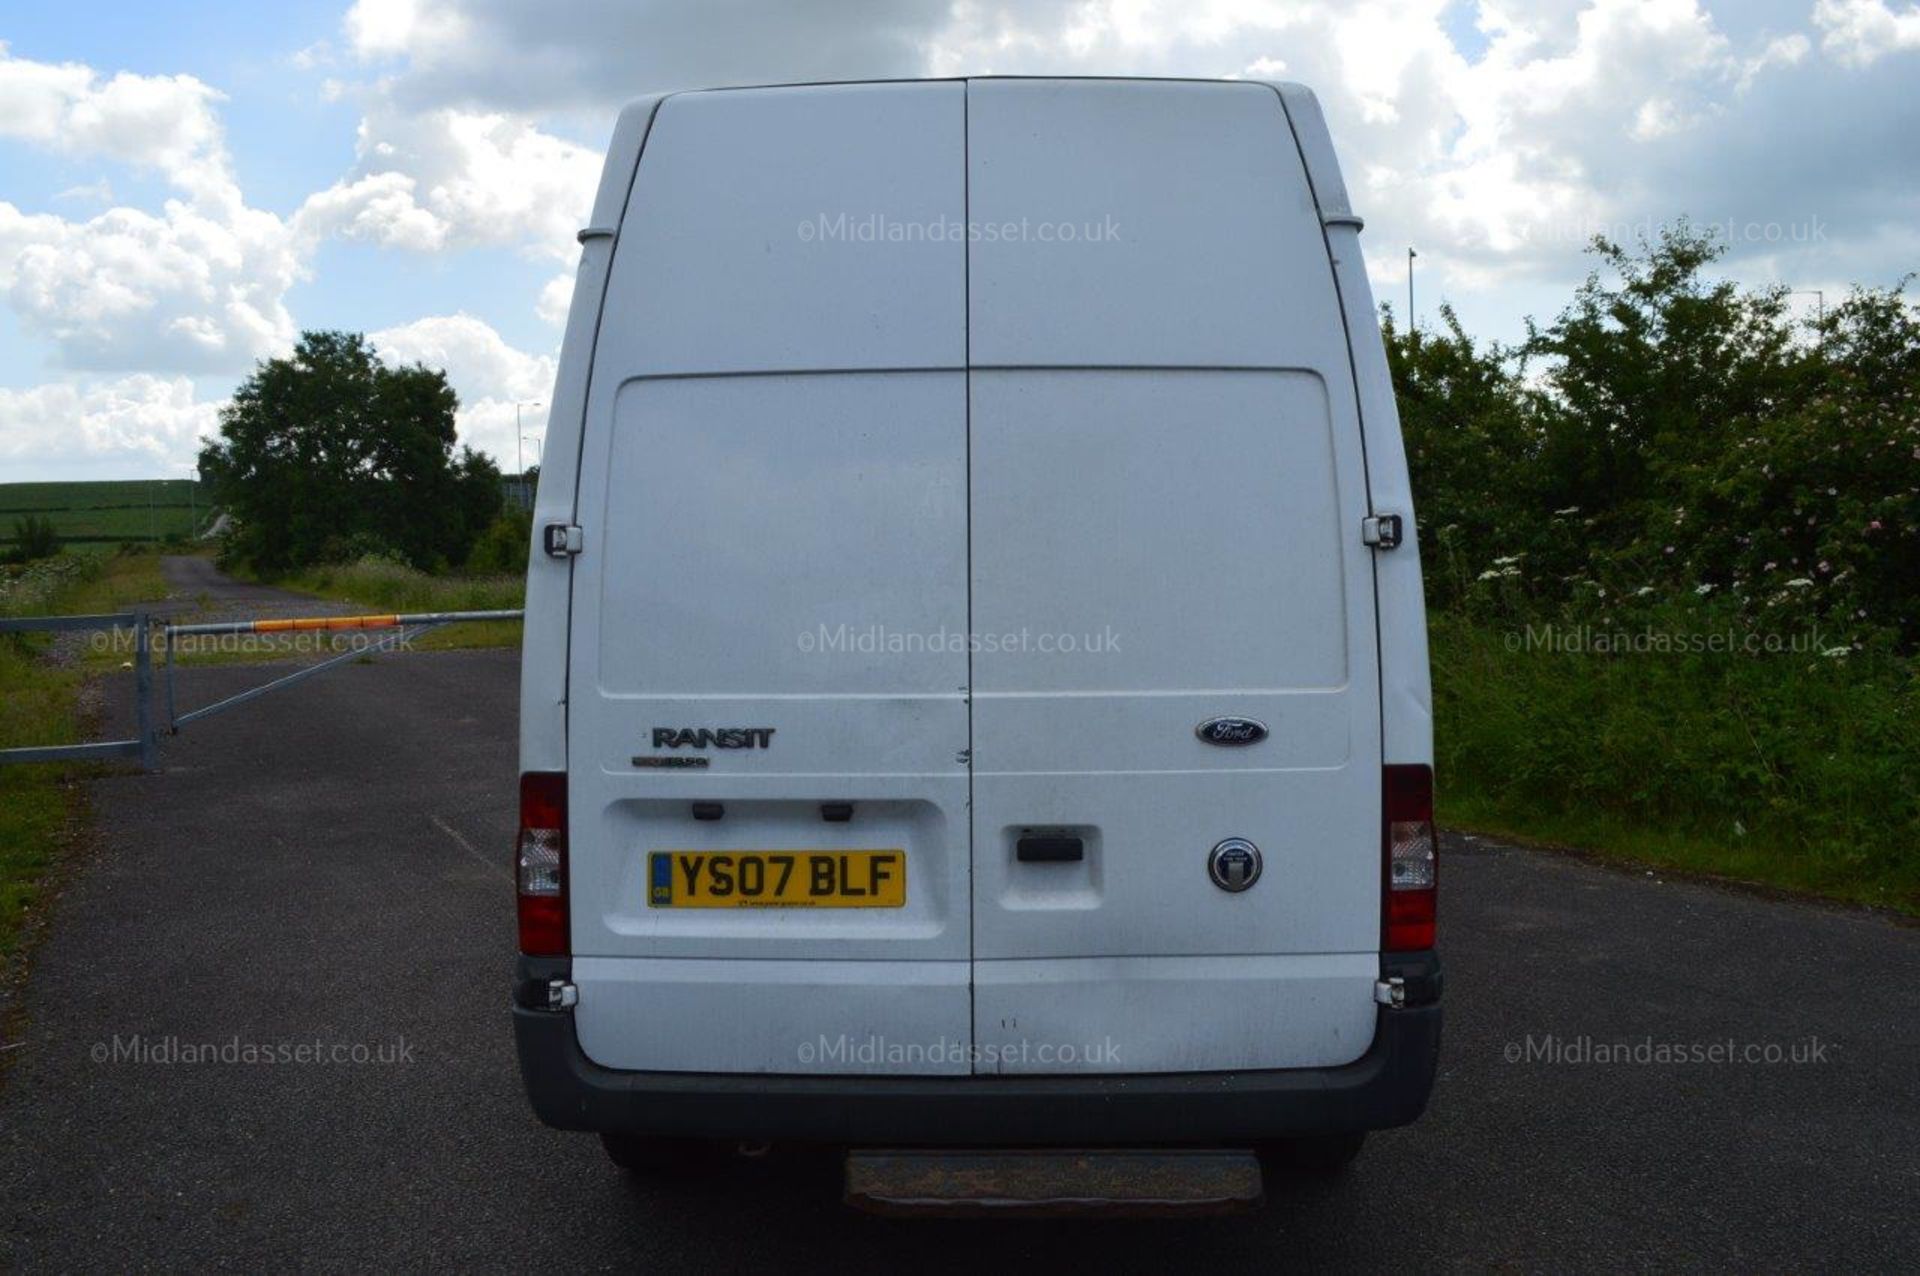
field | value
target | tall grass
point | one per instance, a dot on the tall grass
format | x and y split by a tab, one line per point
378	582
1788	767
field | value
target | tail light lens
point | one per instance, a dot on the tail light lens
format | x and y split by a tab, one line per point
541	869
1411	851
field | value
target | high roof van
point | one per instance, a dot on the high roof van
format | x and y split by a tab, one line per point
975	685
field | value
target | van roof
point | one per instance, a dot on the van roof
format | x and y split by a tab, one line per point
1302	109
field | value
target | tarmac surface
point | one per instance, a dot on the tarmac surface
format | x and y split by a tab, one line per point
327	869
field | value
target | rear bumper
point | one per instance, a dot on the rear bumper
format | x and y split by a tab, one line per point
1385	1087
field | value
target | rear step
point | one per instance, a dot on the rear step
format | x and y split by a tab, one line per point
1076	1181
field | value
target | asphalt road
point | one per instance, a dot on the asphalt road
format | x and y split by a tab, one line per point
198	590
329	865
195	576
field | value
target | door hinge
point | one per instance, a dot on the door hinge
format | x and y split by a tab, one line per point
1382	531
562	540
561	994
1391	992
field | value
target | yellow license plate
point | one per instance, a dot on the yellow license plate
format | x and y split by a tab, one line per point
777	879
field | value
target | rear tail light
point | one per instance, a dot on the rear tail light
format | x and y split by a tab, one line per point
1411	851
540	872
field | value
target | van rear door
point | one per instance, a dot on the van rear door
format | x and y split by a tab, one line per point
773	497
1167	486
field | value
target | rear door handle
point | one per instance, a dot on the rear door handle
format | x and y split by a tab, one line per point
1049	850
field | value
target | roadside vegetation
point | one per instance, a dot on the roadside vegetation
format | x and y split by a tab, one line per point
376	583
1672	550
329	455
42	806
341	478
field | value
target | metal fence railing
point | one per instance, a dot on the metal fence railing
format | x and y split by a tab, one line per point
145	744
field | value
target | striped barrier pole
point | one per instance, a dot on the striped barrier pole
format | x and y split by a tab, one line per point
308	624
421	622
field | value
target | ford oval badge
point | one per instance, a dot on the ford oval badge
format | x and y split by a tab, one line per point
1231	731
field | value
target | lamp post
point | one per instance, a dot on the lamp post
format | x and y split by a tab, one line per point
1412	327
519	455
539	452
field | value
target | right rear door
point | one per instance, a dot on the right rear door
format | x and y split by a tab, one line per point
1166	487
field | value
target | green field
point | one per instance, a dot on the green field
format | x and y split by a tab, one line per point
123	510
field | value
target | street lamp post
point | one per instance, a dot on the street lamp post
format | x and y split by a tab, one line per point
519	454
1411	326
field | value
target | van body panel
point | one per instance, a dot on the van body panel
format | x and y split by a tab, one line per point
763	224
1212	556
1196	242
544	632
1406	682
1167	480
871	1018
1107	1015
774	464
879	392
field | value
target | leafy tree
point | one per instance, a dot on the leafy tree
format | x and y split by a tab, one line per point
330	453
502	549
1654	369
1473	434
1670	439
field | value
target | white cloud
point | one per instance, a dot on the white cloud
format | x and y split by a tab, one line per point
449	178
187	290
379	208
197	286
94	192
556	298
385	28
161	123
131	427
489	375
509	55
1859	32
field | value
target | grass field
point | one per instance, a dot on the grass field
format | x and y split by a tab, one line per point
125	510
1790	771
41	807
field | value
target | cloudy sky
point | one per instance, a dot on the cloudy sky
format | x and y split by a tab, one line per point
185	186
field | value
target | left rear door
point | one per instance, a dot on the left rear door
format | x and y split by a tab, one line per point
774	507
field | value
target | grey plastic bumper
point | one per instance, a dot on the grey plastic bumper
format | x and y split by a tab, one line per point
1385	1087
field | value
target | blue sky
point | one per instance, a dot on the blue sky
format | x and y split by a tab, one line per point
185	186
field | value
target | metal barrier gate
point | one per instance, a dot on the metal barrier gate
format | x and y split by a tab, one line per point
145	743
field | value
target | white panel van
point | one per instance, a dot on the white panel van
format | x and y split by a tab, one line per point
975	686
